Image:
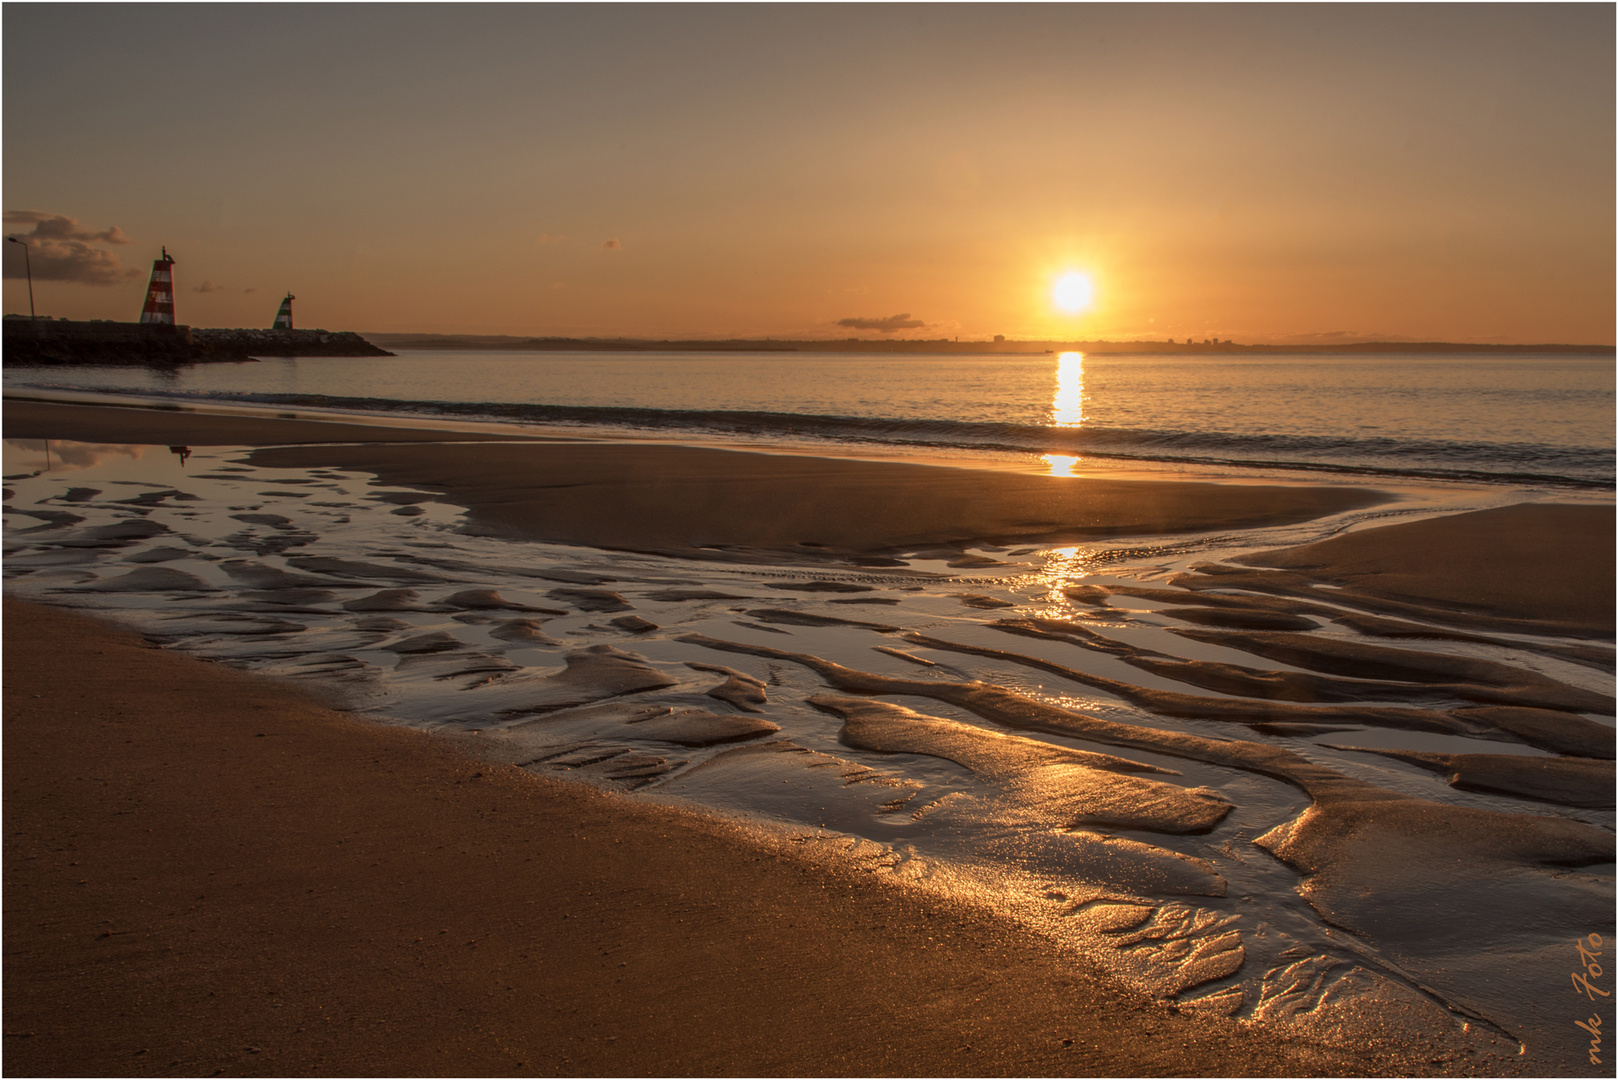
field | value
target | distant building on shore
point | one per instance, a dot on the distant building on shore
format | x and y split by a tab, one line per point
159	308
283	318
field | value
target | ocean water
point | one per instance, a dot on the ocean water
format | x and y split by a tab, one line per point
1540	420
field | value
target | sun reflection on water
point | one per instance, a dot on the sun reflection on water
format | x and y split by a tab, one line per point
1067	408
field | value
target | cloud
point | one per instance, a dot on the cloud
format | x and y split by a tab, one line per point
902	321
56	227
206	286
612	245
60	249
547	238
254	290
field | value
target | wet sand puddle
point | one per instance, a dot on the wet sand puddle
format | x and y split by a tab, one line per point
1238	793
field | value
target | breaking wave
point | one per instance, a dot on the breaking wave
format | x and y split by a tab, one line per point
1486	462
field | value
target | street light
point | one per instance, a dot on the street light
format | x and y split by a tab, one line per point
29	270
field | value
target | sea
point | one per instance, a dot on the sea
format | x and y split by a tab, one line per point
1538	420
878	716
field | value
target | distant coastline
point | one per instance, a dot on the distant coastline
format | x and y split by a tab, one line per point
947	347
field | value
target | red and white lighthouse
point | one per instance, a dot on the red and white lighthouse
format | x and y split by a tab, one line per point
160	293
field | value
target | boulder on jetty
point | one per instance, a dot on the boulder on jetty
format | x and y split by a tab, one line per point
51	342
238	343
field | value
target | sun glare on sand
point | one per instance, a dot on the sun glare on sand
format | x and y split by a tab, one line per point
1073	292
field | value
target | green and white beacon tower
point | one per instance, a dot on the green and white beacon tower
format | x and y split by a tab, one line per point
283	318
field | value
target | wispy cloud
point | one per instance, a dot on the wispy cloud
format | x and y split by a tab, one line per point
902	321
60	248
207	286
612	245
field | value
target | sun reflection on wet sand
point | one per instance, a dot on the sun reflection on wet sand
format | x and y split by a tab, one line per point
1063	566
1060	464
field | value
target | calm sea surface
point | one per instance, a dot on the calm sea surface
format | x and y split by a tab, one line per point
1517	419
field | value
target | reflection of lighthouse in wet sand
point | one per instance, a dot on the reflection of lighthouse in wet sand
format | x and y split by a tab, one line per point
283	318
160	293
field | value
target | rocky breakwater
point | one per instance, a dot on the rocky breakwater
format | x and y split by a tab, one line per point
242	344
52	342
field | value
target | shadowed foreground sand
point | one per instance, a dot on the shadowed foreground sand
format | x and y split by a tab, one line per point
206	872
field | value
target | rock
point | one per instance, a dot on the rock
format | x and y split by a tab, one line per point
54	342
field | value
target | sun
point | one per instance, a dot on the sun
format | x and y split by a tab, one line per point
1073	292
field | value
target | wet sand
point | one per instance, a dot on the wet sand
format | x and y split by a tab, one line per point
1540	567
159	426
207	872
693	501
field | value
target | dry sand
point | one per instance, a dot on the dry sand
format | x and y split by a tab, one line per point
208	873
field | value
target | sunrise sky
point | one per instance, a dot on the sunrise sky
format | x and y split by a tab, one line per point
1262	173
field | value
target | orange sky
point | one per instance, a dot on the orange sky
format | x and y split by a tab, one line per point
1263	173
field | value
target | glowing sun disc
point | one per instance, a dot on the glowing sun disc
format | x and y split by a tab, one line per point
1073	292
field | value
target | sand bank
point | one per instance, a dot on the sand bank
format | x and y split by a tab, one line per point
1539	567
693	501
220	875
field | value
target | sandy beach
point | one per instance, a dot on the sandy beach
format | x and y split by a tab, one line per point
209	870
224	876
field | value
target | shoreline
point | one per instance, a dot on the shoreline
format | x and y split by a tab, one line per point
1011	445
688	501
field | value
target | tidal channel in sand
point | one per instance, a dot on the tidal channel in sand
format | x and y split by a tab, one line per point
1073	706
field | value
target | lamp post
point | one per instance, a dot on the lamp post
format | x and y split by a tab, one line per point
29	270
